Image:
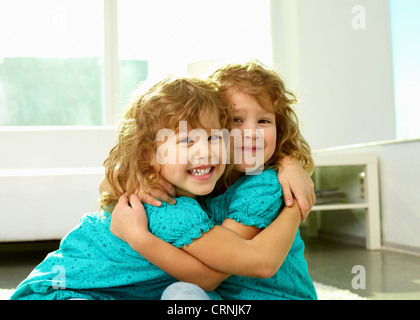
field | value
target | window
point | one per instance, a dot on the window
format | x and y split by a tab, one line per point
51	62
52	58
161	37
405	31
67	68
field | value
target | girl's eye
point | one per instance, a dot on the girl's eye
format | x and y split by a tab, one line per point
214	137
264	121
237	120
185	140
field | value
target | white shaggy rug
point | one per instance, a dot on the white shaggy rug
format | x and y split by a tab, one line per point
324	293
5	294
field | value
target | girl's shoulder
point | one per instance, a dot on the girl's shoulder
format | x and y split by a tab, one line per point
183	206
256	200
92	222
178	224
266	180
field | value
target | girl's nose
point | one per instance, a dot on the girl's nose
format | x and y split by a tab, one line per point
199	153
203	151
252	133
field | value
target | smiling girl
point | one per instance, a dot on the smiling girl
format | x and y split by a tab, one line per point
261	266
91	263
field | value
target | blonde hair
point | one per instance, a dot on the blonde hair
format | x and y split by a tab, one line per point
262	83
162	106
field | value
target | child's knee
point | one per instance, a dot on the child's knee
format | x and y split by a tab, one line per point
184	291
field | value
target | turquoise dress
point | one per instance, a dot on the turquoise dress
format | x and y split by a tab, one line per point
91	263
256	200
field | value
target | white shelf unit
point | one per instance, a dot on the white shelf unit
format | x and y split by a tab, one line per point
370	204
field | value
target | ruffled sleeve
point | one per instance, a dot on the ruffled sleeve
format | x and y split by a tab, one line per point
256	199
179	224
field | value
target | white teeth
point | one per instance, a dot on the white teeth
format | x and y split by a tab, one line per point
200	172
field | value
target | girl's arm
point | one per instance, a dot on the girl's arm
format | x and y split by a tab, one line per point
260	257
187	268
163	191
296	183
174	261
220	248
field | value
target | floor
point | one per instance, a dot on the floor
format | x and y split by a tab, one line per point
17	260
383	274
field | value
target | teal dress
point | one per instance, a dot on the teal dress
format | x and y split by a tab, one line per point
91	263
256	200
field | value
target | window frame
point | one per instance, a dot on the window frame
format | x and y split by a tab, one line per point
50	175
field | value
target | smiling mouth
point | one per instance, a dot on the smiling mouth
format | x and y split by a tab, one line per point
201	171
250	149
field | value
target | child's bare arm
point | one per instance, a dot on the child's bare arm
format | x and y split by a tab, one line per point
177	262
234	254
296	183
174	261
162	191
260	257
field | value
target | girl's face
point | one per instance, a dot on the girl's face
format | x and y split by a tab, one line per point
248	116
194	159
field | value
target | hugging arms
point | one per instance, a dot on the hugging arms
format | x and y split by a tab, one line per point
297	186
256	254
231	248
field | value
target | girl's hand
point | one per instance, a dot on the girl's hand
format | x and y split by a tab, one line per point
162	191
296	183
127	222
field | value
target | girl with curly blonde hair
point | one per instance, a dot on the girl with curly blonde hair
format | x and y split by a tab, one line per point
132	164
265	86
91	263
292	157
271	264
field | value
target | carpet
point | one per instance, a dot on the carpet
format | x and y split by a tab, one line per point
5	294
324	293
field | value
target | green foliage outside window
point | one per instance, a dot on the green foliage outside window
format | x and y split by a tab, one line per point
59	91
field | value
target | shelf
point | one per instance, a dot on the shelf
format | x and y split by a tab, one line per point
369	165
326	160
340	206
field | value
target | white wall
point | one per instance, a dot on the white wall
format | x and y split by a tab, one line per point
342	76
49	178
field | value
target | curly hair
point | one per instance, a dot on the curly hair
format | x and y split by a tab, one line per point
162	106
264	84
